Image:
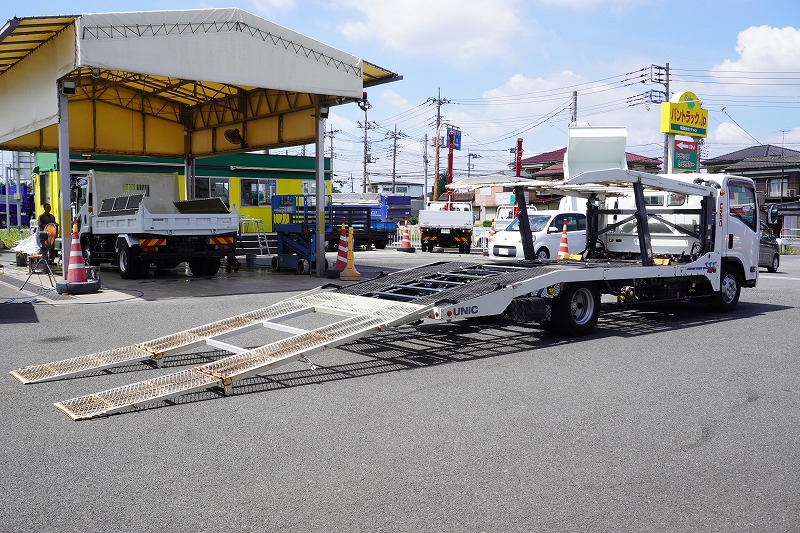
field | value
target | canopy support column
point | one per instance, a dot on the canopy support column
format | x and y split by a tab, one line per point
64	216
319	133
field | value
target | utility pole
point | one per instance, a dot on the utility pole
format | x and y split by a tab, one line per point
394	136
365	105
574	119
425	165
439	101
331	134
469	162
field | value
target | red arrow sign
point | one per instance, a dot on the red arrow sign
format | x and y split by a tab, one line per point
685	145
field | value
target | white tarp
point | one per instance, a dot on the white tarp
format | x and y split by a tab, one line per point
214	45
219	45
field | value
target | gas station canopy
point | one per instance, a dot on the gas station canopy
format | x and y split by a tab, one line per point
185	84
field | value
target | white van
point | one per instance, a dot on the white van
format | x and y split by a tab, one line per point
546	230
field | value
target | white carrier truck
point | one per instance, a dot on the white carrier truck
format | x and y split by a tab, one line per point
446	225
563	296
134	220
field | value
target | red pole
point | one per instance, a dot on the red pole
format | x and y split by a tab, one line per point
519	156
451	135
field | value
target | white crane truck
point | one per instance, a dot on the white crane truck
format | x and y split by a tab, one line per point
563	296
136	219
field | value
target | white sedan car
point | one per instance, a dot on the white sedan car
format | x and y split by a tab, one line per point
546	229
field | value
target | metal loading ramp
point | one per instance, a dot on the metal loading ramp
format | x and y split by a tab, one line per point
156	349
362	316
398	298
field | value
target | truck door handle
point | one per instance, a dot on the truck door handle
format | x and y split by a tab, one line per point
730	241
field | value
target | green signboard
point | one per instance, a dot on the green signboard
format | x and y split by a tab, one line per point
684	158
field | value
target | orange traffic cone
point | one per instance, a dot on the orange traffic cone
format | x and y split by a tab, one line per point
405	245
563	246
77	281
76	271
350	273
341	258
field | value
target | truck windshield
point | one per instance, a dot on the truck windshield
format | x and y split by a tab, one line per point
538	223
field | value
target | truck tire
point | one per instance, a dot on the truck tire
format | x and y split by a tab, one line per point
730	288
213	266
575	312
303	266
86	248
128	268
204	266
143	269
276	263
380	245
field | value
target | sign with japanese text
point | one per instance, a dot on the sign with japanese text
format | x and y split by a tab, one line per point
683	115
456	138
684	156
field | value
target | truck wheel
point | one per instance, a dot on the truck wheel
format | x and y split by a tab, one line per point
303	266
199	266
776	262
86	248
213	266
729	289
127	265
380	245
142	268
543	253
276	263
575	312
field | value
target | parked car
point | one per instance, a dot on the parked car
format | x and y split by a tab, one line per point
769	255
546	229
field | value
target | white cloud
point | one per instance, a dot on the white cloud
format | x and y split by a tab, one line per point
728	133
458	30
763	48
270	7
615	6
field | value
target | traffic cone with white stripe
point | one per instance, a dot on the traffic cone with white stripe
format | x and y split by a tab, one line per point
341	258
563	247
76	269
405	245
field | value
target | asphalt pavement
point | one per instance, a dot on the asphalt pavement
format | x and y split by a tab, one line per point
675	419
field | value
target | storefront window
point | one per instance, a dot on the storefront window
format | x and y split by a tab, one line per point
257	192
212	188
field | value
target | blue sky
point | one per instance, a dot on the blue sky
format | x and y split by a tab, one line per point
507	69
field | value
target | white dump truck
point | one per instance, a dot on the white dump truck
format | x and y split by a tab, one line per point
446	225
135	220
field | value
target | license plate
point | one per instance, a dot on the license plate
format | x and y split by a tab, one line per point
445	230
503	251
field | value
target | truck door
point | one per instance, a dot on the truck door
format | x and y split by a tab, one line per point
740	228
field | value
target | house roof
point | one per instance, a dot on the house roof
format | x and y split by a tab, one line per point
557	156
766	163
546	157
762	151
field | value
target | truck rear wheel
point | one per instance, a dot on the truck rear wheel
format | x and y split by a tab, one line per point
730	287
204	266
575	312
128	268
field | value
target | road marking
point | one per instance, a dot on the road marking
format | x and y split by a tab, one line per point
773	276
